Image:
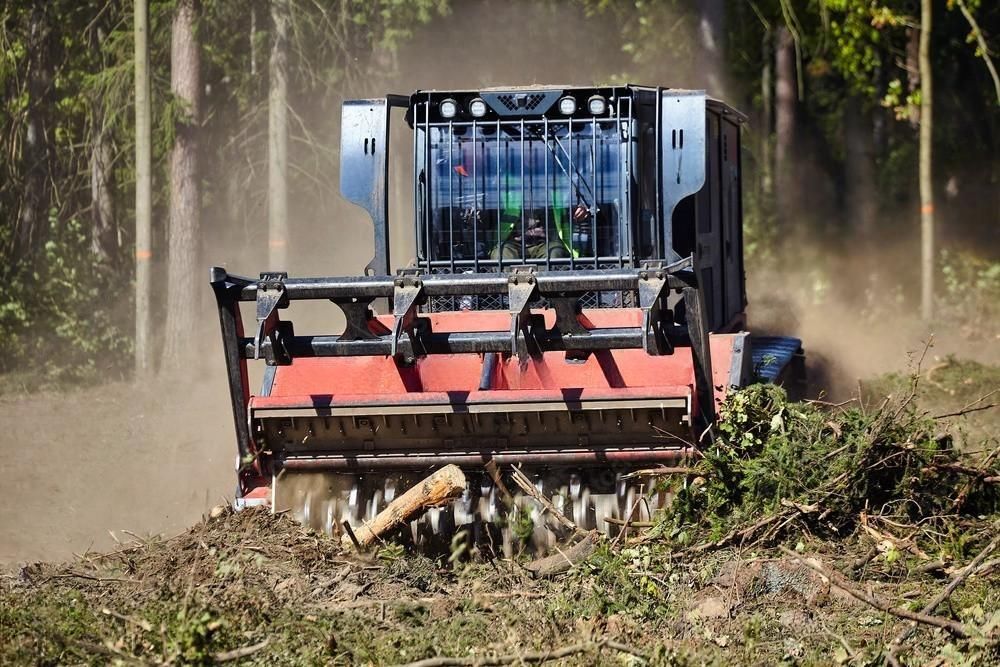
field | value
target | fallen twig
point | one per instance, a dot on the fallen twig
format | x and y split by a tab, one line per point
945	593
898	543
144	624
628	521
740	535
984	476
969	484
494	472
522	481
838	580
863	560
90	577
346	525
529	656
110	652
665	470
633	524
967	410
237	653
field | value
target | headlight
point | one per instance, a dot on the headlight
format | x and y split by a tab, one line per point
597	105
477	108
448	108
567	106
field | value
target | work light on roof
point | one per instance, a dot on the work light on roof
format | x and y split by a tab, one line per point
567	105
448	108
477	108
597	105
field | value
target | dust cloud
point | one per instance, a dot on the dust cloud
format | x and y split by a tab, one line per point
856	309
152	459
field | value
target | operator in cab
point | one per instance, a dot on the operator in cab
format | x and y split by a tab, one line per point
534	236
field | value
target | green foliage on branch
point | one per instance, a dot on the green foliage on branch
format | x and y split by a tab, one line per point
64	314
775	463
67	68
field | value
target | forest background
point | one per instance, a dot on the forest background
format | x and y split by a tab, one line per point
245	108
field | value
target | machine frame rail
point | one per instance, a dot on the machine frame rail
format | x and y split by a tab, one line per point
411	335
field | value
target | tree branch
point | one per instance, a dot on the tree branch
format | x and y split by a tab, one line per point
945	593
838	580
982	45
530	656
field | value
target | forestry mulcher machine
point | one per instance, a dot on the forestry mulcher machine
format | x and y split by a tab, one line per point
575	308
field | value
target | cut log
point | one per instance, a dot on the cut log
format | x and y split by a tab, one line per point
442	486
563	560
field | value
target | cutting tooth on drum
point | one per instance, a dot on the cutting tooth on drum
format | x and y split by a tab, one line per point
324	501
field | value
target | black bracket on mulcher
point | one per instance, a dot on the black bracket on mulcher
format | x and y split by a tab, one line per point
653	291
407	328
271	331
522	290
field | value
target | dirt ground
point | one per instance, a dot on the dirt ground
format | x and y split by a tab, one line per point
84	462
152	460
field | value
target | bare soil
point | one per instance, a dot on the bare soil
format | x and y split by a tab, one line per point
83	462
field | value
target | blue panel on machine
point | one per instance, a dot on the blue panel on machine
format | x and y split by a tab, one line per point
771	354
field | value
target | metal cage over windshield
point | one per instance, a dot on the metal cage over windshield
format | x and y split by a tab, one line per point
555	193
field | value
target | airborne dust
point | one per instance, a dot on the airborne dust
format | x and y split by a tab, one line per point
153	459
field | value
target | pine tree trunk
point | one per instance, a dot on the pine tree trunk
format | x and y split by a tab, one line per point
926	161
35	155
103	232
185	282
277	132
784	125
859	170
766	123
711	28
143	193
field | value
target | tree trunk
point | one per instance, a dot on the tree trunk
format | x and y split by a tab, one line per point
711	28
103	234
766	122
253	40
31	222
277	145
926	160
859	170
184	275
103	230
784	124
143	192
913	70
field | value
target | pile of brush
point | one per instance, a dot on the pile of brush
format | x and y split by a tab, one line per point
891	471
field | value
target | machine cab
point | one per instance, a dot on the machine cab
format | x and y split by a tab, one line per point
562	178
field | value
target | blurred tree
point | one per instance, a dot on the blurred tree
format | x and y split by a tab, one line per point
185	277
143	192
785	111
277	139
35	154
926	158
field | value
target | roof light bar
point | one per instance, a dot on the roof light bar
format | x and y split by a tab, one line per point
597	105
448	108
567	105
477	108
